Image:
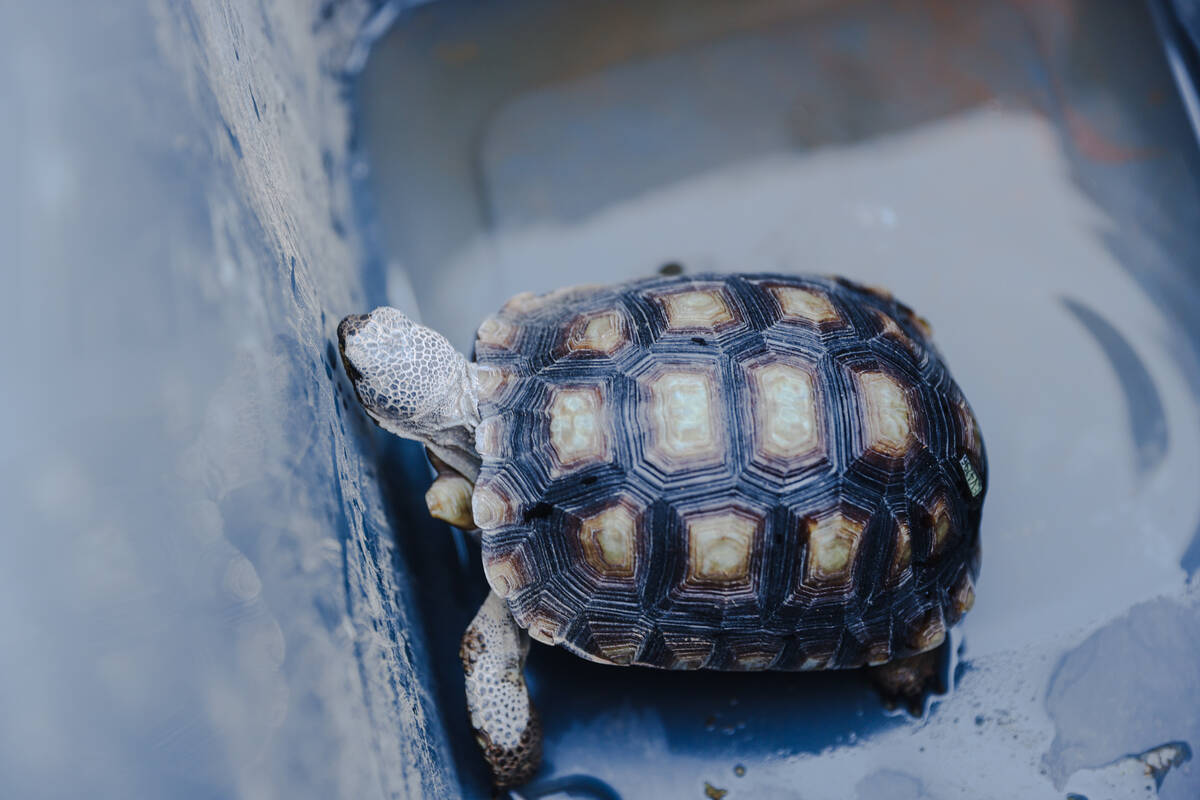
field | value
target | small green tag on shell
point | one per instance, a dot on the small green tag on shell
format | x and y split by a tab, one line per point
973	482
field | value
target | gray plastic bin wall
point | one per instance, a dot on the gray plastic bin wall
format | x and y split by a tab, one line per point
218	578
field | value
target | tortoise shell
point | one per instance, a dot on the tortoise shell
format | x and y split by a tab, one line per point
726	472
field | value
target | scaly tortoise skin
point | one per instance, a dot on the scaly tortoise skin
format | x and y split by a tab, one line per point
737	472
743	472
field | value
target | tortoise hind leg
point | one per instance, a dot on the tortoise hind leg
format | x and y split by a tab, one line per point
505	722
910	680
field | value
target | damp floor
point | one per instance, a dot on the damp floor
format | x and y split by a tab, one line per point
1022	174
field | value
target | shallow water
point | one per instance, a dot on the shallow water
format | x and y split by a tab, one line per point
1014	173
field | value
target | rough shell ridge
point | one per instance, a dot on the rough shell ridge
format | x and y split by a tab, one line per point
729	472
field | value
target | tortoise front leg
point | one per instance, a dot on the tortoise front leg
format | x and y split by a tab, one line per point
505	722
449	498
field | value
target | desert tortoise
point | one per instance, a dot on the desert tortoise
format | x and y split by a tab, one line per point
737	472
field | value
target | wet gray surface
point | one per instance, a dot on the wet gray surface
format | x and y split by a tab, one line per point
1144	406
1151	651
1022	174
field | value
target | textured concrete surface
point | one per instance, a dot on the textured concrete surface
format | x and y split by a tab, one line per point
200	594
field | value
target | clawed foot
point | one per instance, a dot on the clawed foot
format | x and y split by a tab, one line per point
910	680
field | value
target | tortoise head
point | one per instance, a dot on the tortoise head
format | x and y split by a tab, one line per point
413	383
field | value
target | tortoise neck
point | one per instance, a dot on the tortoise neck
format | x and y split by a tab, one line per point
448	430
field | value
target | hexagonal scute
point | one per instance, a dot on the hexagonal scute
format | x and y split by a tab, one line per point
962	597
609	641
610	539
580	428
927	631
754	653
863	643
682	410
890	329
546	621
491	438
879	652
886	413
508	571
806	305
788	421
493	381
832	540
496	332
686	650
939	518
721	546
699	307
494	504
596	333
814	661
